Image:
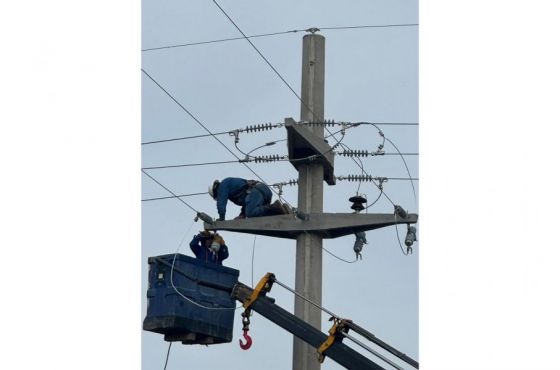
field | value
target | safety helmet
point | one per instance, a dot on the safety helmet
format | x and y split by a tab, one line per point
215	246
212	189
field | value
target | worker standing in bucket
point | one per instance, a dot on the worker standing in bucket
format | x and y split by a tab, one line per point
209	247
254	198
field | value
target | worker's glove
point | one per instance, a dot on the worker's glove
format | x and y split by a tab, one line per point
215	247
219	239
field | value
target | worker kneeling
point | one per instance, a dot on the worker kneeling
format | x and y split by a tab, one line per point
209	247
254	198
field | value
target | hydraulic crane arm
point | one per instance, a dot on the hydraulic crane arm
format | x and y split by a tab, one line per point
337	351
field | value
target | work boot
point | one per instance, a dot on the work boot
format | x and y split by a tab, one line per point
276	208
287	208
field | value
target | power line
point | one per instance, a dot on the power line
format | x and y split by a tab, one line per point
406	166
279	33
206	129
370	26
183	138
274	69
205	192
172	193
241	130
167	357
220	40
398	123
397	149
188	165
263	57
178	196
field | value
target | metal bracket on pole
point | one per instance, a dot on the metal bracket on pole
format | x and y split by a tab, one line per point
327	225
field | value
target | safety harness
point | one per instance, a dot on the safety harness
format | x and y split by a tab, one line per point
239	197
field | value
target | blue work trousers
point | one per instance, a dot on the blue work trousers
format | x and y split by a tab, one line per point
257	200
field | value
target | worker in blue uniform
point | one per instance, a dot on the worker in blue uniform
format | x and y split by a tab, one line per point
209	247
252	196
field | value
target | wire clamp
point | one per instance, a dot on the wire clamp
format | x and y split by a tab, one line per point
235	133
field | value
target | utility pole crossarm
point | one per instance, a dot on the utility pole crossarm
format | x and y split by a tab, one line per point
327	225
305	147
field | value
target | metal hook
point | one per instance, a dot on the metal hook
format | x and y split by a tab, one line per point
249	341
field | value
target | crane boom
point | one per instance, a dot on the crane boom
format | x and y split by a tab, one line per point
338	351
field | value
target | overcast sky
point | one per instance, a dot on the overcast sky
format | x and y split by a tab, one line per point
70	92
371	75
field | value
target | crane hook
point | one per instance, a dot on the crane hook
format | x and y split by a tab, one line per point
247	345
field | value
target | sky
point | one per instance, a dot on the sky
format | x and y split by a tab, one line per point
371	76
71	185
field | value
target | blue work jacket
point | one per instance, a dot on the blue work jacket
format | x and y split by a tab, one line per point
230	188
203	253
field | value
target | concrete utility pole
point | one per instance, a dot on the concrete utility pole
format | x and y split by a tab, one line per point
314	161
309	247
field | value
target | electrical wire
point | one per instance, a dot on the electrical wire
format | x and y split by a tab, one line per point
221	40
279	76
398	238
172	193
187	165
183	138
264	58
277	33
369	26
206	129
398	151
253	263
375	201
177	196
167	357
407	169
227	132
274	69
337	257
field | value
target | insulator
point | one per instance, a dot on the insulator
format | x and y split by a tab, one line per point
260	127
204	217
354	153
268	158
359	244
400	211
358	178
329	123
410	236
357	203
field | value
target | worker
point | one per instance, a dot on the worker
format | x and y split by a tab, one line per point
254	198
209	247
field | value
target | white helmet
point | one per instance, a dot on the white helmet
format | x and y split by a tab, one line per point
215	246
212	189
